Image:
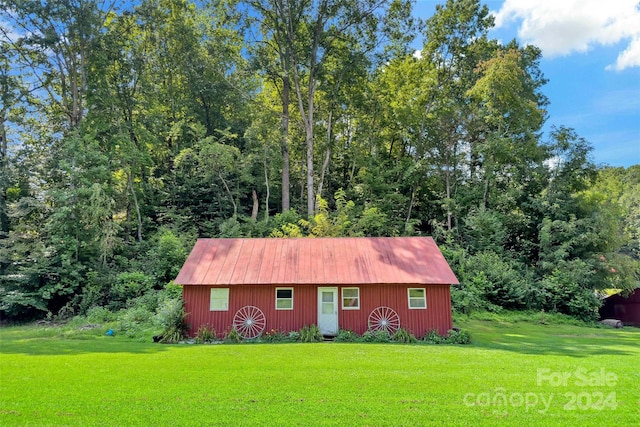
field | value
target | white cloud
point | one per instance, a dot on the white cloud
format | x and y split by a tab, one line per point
630	57
561	27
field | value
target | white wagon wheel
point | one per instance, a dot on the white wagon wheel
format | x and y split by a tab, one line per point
384	319
249	321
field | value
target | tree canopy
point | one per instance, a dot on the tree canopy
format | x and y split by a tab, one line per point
129	129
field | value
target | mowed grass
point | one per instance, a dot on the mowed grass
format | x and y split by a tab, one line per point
515	373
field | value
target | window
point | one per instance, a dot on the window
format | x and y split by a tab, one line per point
284	298
219	299
351	298
417	298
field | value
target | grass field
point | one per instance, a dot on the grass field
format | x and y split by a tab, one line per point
514	373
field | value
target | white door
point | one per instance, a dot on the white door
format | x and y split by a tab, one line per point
328	311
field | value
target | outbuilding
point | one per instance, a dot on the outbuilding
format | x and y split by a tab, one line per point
623	308
358	284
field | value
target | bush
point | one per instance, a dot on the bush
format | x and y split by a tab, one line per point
458	337
100	315
232	337
294	336
566	292
129	286
134	321
375	336
172	318
274	335
310	333
454	336
205	334
403	336
433	337
345	335
169	255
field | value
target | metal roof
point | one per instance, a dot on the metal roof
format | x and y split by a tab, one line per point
316	261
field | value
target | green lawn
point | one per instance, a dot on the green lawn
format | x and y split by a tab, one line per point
548	374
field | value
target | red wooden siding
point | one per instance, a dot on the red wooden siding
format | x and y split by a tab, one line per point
197	299
437	315
418	321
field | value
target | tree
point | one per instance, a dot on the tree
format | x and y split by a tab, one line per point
303	35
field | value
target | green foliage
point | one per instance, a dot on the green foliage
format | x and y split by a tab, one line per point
108	179
205	334
128	287
433	337
346	335
403	336
232	337
169	254
100	315
458	337
172	319
310	333
489	281
375	336
274	335
135	322
453	337
567	293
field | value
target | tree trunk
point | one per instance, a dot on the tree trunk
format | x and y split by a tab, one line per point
256	204
311	200
286	203
448	184
233	202
137	206
413	197
266	183
327	156
4	218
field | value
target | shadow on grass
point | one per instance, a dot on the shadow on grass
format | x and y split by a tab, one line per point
75	346
18	341
558	340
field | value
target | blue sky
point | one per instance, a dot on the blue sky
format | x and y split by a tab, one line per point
591	57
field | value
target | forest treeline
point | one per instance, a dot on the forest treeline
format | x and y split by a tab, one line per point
129	129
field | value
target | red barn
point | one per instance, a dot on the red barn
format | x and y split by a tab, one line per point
357	283
625	309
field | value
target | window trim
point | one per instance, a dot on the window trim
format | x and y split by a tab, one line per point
423	298
226	303
348	307
284	299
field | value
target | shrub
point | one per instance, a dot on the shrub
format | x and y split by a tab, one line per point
274	335
433	337
172	318
205	334
134	321
129	286
375	336
100	315
458	337
169	254
310	333
403	336
345	335
454	336
294	336
232	337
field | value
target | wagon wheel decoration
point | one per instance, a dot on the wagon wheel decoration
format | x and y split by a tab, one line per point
249	321
384	319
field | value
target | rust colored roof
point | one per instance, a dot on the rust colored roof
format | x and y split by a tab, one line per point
334	261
